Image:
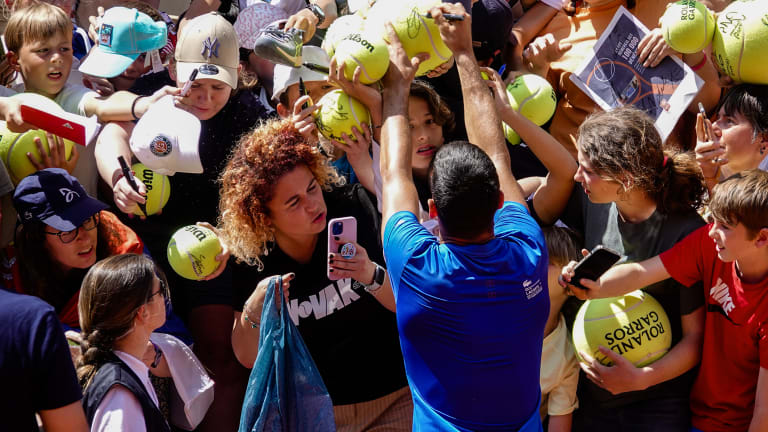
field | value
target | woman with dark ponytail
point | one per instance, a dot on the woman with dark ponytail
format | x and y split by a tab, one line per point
122	301
639	200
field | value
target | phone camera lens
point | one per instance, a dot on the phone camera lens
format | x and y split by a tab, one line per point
337	228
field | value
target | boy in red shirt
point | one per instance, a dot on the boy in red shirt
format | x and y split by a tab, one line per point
730	256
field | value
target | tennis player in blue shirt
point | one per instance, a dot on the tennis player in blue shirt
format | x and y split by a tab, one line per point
471	305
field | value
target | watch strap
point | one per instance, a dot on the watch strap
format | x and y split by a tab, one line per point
317	11
378	279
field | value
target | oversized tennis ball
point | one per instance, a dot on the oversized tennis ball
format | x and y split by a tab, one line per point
634	325
338	113
688	26
192	252
158	188
339	29
534	98
416	32
366	50
741	37
15	146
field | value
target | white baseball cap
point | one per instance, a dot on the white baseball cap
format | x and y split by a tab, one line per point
209	44
166	139
286	76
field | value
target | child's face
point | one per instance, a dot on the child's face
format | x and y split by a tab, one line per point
426	135
315	90
732	241
45	64
598	189
735	133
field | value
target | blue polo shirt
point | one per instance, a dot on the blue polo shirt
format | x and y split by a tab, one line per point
471	322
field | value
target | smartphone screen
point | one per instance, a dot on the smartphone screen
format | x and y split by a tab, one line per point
595	264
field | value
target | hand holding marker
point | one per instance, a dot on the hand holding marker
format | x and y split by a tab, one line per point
188	84
131	181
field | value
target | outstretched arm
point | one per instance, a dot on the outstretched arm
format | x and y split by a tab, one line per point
398	191
482	121
618	280
552	193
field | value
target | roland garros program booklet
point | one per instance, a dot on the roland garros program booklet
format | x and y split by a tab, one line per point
613	77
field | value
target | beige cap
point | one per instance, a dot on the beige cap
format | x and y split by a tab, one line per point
209	44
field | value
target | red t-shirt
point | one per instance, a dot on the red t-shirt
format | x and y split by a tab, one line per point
735	334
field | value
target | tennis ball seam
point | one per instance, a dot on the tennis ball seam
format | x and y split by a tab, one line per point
362	68
625	311
741	52
649	355
431	39
526	99
354	113
705	42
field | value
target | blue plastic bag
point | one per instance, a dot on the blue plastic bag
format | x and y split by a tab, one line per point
285	391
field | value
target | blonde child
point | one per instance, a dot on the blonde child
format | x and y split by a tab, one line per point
559	367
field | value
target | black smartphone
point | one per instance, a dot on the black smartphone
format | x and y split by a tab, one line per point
592	266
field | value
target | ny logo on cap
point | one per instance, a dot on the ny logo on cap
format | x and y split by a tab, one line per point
210	48
68	194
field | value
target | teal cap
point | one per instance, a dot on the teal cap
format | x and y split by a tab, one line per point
124	34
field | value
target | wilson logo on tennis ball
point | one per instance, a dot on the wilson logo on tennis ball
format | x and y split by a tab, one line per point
354	37
192	252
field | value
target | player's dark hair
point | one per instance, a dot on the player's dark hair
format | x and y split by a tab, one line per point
465	188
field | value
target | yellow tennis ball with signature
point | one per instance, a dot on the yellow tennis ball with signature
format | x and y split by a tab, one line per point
192	252
158	189
416	32
741	38
15	146
338	113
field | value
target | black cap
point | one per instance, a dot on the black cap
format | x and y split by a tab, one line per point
54	197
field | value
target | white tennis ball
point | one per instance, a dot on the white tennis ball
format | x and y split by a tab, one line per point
339	29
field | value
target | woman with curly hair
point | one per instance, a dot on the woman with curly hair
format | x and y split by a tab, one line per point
277	194
639	200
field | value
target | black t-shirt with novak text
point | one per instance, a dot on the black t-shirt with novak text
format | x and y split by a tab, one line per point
352	338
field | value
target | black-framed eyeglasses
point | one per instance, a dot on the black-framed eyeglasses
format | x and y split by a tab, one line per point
163	291
70	236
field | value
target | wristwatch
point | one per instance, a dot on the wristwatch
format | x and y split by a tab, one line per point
318	12
378	279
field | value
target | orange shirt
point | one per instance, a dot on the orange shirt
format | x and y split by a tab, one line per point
583	29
